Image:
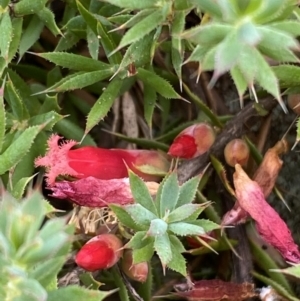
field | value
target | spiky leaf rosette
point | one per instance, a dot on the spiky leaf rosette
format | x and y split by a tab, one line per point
240	36
158	223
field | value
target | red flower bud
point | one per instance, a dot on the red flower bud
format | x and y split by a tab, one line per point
96	162
137	271
100	252
236	152
193	141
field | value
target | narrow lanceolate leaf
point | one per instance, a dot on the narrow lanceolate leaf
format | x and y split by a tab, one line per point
142	28
184	229
28	7
93	43
141	193
177	262
2	115
162	247
17	24
140	215
139	240
103	104
239	82
170	194
14	100
47	16
6	34
124	217
134	4
19	189
30	34
267	79
17	150
73	61
80	80
157	83
177	47
208	6
188	191
183	212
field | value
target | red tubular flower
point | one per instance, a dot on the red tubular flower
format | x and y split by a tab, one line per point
100	252
193	141
100	163
135	271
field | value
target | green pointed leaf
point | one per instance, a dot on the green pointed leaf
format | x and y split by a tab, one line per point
46	271
77	293
51	118
208	35
291	271
74	61
143	254
139	240
15	102
79	80
227	54
28	7
239	81
198	54
124	217
19	189
30	35
288	75
140	193
30	289
17	150
47	16
103	104
144	27
99	29
133	4
269	11
93	43
183	212
177	46
176	243
2	115
185	229
6	34
267	79
157	227
187	191
138	53
206	224
17	24
289	26
169	195
31	102
208	62
177	263
157	83
140	215
162	247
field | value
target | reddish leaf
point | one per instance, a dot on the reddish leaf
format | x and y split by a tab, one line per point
218	290
268	222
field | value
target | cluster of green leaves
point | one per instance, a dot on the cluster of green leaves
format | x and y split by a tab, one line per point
158	223
32	253
238	37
